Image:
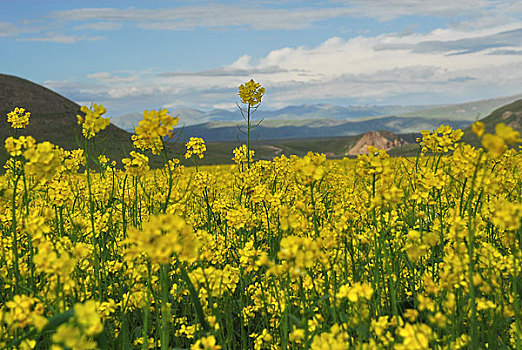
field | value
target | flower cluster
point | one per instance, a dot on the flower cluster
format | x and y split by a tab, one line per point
137	165
214	281
251	93
240	154
92	122
441	140
310	168
18	118
162	239
43	161
77	333
358	291
498	143
195	146
23	311
15	147
152	129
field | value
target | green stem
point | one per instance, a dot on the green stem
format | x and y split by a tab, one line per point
195	300
93	228
165	310
145	344
15	235
169	190
248	137
471	241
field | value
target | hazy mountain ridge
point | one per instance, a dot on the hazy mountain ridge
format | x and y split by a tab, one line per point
308	114
469	110
509	114
210	132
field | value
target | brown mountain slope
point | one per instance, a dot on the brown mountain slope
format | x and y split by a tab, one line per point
53	118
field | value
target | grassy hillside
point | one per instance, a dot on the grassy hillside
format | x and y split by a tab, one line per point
468	111
499	115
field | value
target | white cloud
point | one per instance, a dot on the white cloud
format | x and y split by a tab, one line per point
258	16
375	55
225	106
389	9
63	39
100	26
129	91
215	15
109	78
467	15
242	62
7	29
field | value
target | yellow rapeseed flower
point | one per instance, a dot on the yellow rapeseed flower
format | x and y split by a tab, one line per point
15	147
93	122
195	146
43	161
137	165
206	343
494	144
162	240
507	133
18	118
251	92
152	129
478	128
87	316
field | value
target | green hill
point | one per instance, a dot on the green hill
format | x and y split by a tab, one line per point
510	114
468	111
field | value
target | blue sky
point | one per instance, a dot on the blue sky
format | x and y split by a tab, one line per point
136	55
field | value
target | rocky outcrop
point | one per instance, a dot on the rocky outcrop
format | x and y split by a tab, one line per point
378	139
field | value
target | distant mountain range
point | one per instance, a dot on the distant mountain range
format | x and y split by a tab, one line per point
323	120
290	115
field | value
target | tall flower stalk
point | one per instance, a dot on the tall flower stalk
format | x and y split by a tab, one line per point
250	94
18	119
92	123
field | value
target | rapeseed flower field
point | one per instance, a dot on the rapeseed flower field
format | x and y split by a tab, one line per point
294	253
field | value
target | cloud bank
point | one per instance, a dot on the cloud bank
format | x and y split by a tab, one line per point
390	68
